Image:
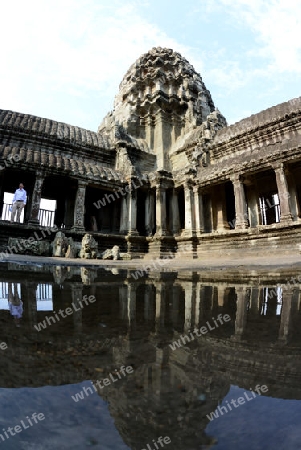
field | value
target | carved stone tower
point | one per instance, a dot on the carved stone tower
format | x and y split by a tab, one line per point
161	98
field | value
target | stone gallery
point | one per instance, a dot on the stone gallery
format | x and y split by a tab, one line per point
162	173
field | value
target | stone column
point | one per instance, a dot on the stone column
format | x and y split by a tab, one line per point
36	199
189	210
175	304
190	297
241	212
294	202
197	304
132	208
131	306
160	306
220	294
76	295
29	298
283	193
242	293
286	323
149	212
123	302
255	300
253	205
202	305
160	211
174	206
208	213
124	216
199	213
79	207
148	303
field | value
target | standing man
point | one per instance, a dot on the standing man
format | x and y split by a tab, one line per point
19	201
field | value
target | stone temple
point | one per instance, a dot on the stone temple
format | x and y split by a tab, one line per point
163	173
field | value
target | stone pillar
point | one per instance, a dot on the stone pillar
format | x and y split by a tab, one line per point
294	202
199	213
283	193
77	294
29	298
255	300
253	205
132	207
241	212
208	213
219	211
160	211
79	207
148	303
131	306
150	212
242	293
189	210
160	306
190	294
174	206
220	289
123	302
124	216
285	330
36	199
197	304
175	305
202	305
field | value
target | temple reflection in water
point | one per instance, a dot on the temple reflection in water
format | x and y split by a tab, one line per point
133	322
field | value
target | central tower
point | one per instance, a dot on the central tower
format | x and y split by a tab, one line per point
161	98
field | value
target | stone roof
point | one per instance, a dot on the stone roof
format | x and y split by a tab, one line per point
64	133
55	130
255	121
57	161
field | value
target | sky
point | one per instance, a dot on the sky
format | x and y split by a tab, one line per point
64	59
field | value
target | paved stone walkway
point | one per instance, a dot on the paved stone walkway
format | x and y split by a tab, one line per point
248	263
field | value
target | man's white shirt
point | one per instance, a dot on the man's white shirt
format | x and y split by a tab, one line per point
20	194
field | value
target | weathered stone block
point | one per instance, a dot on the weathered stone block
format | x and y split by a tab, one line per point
28	247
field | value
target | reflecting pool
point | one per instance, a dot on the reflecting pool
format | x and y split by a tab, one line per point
105	359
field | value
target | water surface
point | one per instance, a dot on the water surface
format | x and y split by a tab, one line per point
191	344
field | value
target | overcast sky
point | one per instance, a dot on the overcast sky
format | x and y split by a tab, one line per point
64	59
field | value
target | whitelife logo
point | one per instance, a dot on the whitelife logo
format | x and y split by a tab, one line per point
203	330
36	417
221	410
68	311
166	440
106	381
